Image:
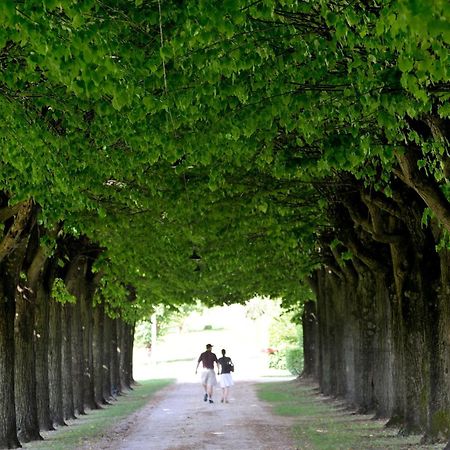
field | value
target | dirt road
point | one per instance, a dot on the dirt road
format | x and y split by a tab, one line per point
179	419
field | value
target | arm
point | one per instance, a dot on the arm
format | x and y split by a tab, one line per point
218	366
198	363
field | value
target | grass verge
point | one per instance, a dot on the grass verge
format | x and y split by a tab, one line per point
97	423
323	424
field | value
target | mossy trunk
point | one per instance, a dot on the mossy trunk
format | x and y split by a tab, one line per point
336	354
418	312
383	363
364	344
438	426
355	334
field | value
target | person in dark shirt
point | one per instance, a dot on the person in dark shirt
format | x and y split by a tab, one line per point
208	358
225	378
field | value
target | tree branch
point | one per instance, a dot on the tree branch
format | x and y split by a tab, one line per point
425	186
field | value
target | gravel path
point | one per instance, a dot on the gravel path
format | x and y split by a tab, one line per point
179	419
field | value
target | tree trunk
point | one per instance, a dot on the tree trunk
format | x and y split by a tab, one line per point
398	341
87	320
8	433
75	283
126	349
383	347
55	364
25	369
130	335
98	345
324	298
42	349
12	252
25	365
310	340
116	387
107	357
438	426
67	375
77	359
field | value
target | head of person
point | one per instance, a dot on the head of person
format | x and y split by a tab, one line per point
223	352
208	347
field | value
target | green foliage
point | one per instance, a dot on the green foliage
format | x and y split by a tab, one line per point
60	292
285	336
167	317
256	308
294	360
143	333
214	125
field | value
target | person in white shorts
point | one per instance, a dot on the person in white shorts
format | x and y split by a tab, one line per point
225	378
208	376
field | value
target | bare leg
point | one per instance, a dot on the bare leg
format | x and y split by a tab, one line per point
210	391
225	394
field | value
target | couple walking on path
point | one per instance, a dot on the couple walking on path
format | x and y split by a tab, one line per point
224	368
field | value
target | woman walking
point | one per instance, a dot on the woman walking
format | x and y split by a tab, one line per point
225	379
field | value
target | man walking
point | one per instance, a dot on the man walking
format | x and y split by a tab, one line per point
208	358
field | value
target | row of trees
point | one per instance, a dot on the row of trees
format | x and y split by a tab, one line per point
62	352
276	141
379	333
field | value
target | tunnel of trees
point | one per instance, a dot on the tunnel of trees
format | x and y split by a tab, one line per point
297	149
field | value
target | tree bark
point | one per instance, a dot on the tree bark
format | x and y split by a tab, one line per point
107	357
126	352
424	185
18	225
67	375
25	364
55	364
42	319
77	351
75	283
324	295
116	387
8	433
87	319
310	340
25	368
438	425
98	346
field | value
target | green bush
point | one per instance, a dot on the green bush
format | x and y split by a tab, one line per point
294	360
277	360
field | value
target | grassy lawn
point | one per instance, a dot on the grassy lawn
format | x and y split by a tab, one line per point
97	423
324	424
